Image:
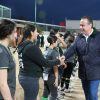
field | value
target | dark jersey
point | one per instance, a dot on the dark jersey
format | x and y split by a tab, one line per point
7	62
50	54
31	60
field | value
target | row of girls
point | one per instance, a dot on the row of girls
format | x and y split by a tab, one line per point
32	62
57	77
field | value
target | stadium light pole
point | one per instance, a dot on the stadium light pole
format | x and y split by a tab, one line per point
35	10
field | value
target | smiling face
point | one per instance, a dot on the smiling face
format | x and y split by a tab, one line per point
85	26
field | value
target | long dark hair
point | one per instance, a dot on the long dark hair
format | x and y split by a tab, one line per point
6	28
27	31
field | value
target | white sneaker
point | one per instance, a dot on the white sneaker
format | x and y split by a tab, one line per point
67	91
61	89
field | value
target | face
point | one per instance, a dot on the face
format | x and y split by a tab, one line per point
57	34
60	38
85	26
34	35
12	38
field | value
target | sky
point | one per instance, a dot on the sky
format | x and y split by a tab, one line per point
53	11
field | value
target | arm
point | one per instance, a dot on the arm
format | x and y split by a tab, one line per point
56	75
4	88
4	67
62	42
34	53
71	50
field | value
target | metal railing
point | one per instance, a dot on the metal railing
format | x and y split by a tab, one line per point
44	26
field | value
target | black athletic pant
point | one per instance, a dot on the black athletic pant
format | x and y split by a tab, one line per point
67	74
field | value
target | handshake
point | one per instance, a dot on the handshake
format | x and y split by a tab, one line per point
62	61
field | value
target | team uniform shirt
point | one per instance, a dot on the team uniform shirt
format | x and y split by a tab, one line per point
50	54
7	62
31	60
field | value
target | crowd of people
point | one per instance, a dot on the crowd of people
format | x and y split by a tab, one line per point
54	65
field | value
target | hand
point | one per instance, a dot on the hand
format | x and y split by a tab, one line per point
60	38
64	66
62	59
56	82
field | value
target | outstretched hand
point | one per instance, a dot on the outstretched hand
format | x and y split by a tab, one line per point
62	59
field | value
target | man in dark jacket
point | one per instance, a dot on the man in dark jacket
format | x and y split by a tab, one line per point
87	47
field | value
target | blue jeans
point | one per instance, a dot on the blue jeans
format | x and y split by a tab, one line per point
90	89
30	86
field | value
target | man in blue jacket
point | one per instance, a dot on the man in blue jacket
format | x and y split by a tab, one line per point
87	48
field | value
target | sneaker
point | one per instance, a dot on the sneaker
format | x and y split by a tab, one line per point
59	88
67	91
62	89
